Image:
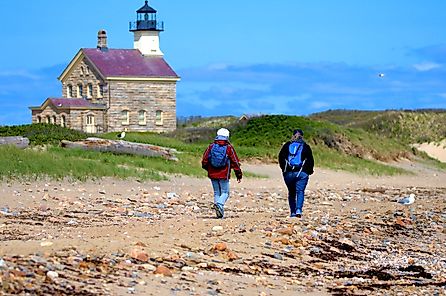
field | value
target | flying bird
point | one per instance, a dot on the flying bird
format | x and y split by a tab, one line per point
381	75
408	200
121	135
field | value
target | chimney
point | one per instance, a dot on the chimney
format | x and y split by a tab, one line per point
102	40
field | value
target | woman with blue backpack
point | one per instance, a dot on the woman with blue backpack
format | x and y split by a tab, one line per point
296	161
218	160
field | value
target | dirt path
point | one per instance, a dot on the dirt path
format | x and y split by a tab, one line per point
108	237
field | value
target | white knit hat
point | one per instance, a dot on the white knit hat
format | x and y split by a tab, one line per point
222	134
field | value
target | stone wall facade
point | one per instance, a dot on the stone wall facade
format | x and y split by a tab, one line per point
75	119
137	96
139	105
79	120
51	115
83	75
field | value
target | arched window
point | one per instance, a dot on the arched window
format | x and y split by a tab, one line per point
82	71
69	91
159	117
90	90
125	118
39	119
142	117
48	119
63	121
53	119
80	91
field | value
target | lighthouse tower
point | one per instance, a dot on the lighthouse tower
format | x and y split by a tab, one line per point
146	31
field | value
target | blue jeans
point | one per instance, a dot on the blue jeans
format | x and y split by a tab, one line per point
221	191
296	183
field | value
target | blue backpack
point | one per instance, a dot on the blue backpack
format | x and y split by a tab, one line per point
218	157
295	155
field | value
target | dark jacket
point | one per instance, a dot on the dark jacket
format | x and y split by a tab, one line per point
307	155
222	173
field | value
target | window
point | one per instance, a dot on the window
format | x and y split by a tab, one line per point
100	91
82	71
63	121
80	91
90	127
90	119
142	117
125	120
39	119
159	117
53	119
90	90
87	70
48	120
69	91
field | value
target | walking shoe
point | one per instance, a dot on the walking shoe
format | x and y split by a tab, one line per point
218	211
299	213
296	216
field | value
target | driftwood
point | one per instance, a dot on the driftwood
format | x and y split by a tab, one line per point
19	142
122	147
374	190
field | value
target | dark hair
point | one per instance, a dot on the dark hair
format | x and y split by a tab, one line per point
298	131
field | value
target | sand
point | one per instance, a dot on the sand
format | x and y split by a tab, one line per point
63	214
434	150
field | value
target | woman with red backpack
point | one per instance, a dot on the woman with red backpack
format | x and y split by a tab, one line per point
218	160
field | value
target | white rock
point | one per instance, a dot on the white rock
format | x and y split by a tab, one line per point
52	274
171	195
131	290
149	267
187	268
46	244
217	228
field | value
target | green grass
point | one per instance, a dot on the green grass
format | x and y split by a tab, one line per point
340	162
42	133
334	146
59	163
268	133
429	161
407	126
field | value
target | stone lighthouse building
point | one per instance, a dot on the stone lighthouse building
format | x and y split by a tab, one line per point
108	90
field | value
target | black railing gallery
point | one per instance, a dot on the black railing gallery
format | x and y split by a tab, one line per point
146	25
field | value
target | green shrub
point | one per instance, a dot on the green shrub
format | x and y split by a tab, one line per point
42	133
334	146
407	126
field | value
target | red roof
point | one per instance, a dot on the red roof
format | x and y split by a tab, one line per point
128	63
65	103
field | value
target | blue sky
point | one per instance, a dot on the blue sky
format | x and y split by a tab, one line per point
235	57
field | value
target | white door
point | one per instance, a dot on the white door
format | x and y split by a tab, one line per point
90	126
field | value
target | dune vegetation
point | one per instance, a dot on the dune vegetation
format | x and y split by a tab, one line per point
355	141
